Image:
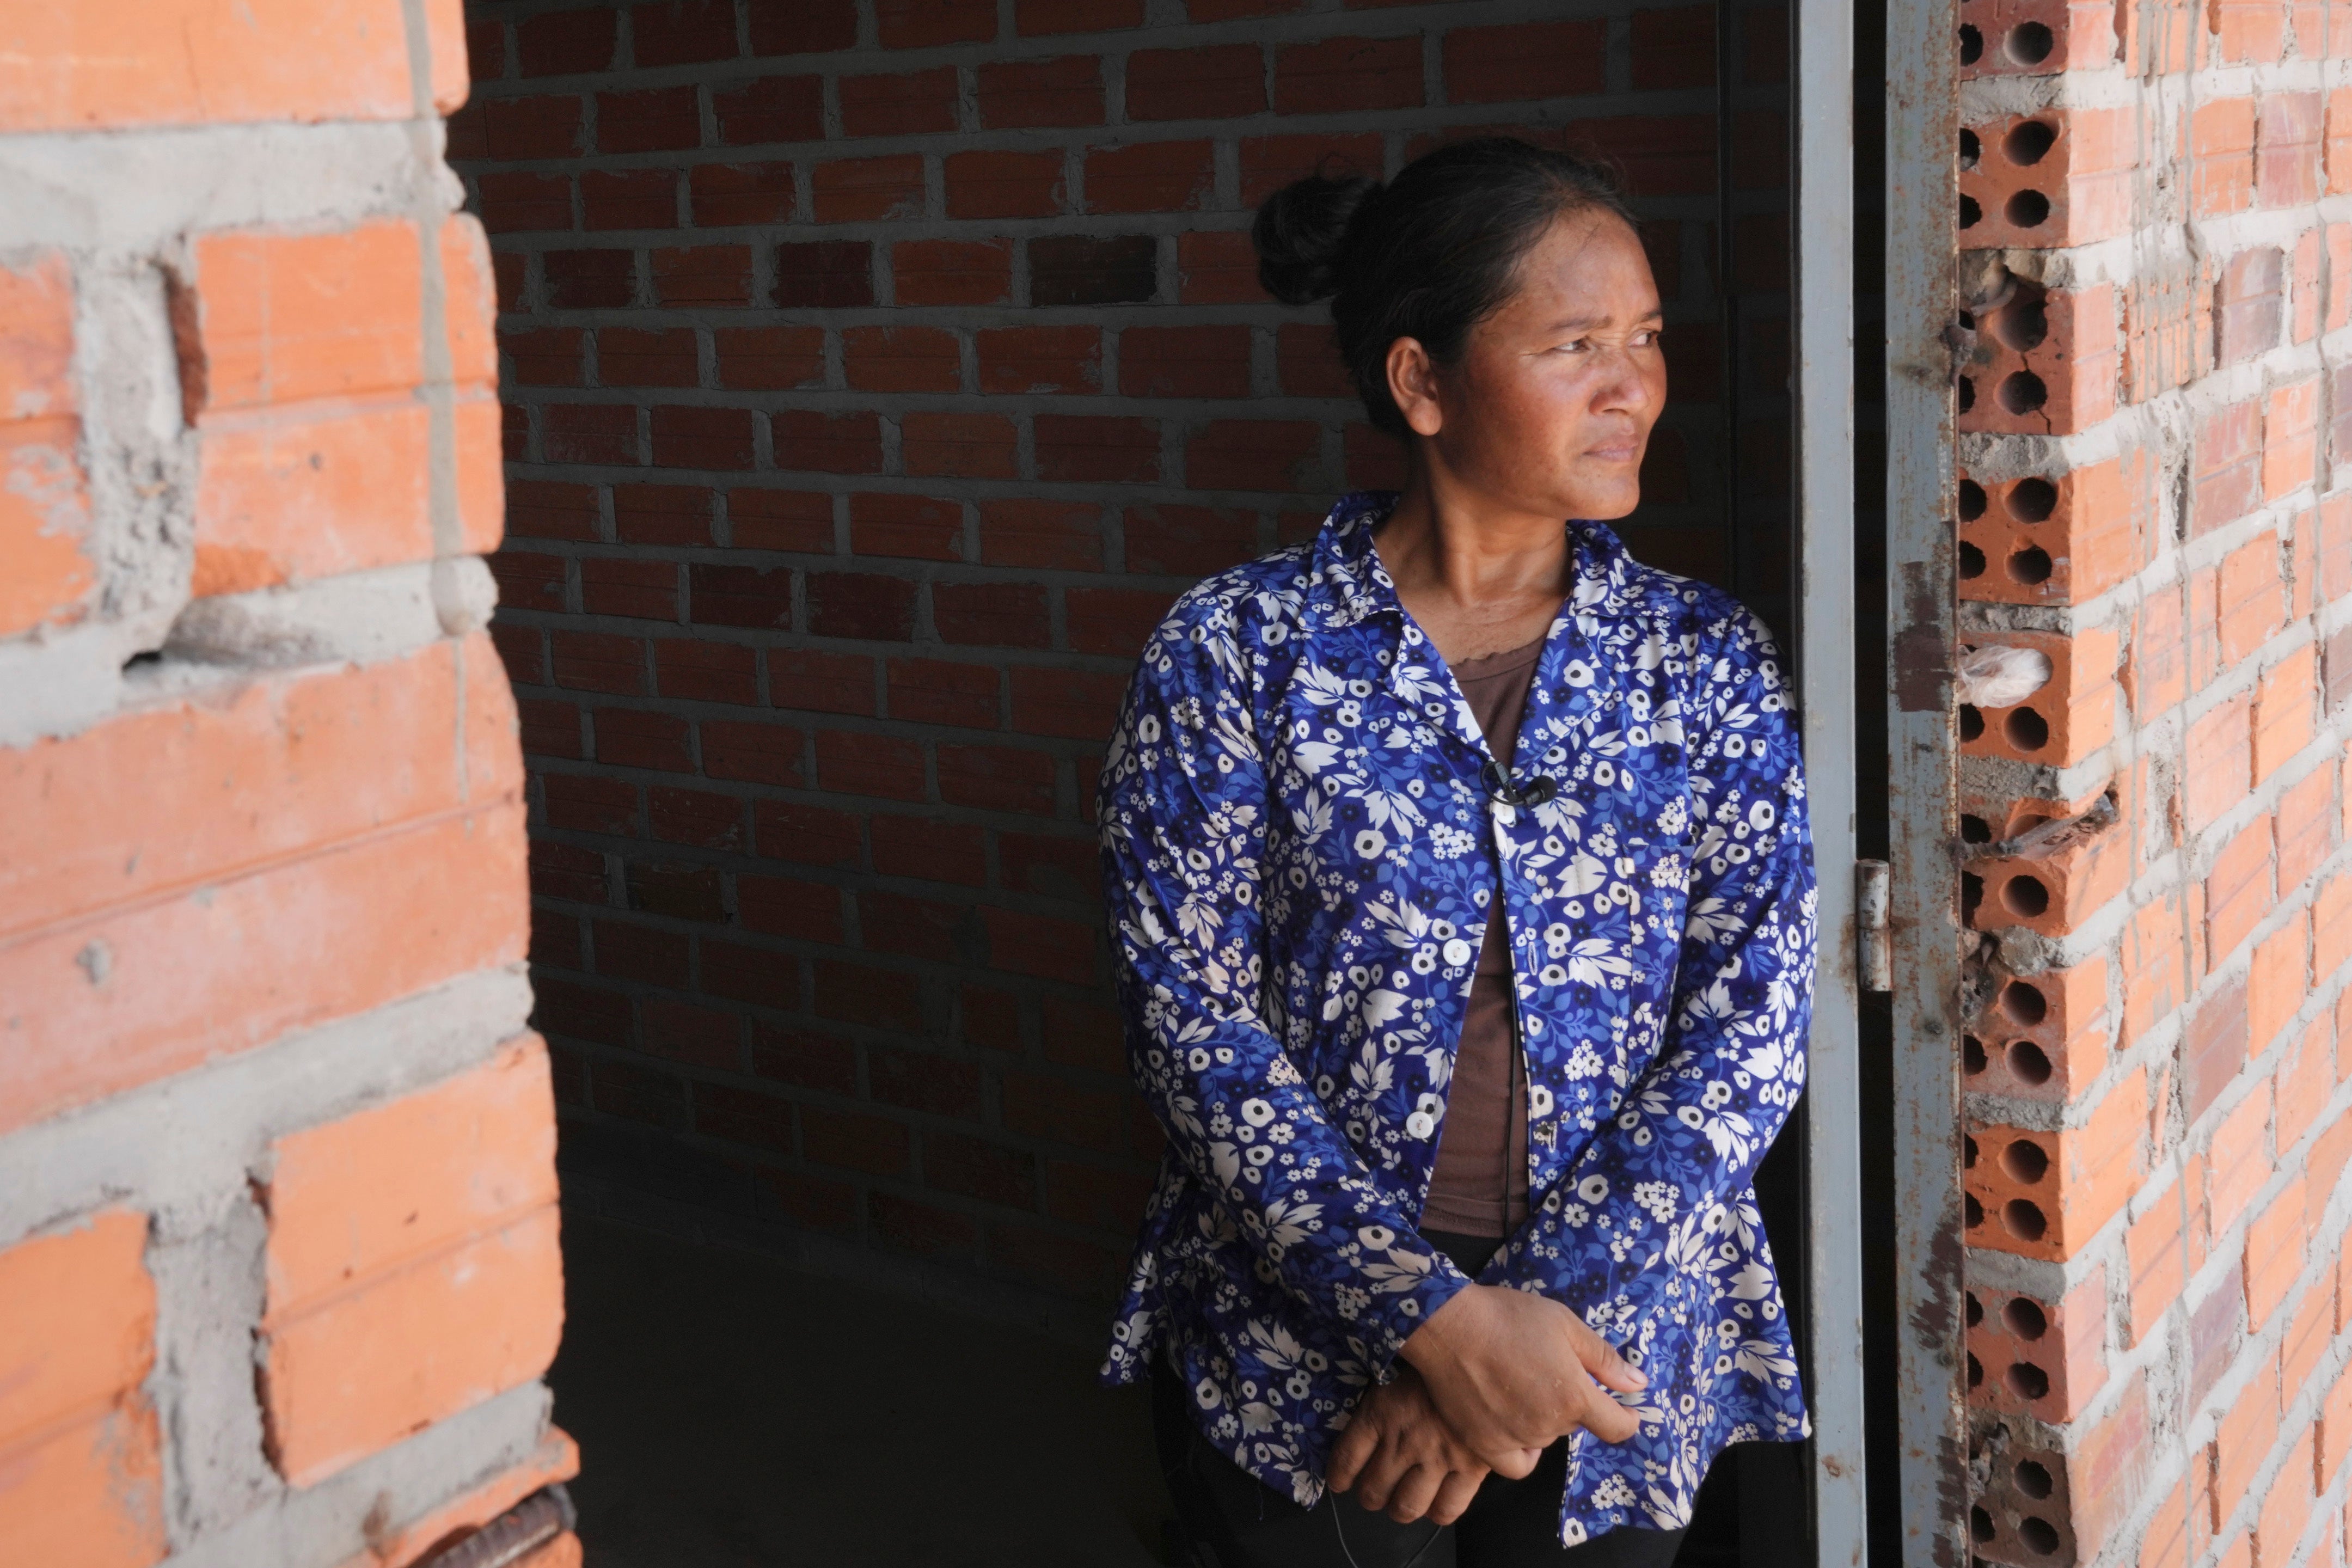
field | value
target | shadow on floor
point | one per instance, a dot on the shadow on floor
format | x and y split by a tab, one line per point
732	1412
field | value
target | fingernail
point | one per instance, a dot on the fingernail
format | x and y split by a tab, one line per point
1639	1381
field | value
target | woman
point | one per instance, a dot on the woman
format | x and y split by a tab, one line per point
1463	901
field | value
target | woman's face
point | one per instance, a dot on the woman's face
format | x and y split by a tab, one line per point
1549	409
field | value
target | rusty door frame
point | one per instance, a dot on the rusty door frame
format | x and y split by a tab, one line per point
1922	196
1821	308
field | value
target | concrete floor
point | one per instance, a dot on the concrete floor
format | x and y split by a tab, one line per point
732	1412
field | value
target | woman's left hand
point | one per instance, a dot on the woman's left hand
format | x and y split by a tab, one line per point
1401	1457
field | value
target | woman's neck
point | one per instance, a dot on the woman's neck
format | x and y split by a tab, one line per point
1477	576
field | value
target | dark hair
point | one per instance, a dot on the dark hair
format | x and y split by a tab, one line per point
1427	255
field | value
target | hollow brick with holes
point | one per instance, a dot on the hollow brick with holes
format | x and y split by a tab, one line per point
2036	1358
2034	38
2023	1518
2044	1195
2072	716
2045	363
2058	177
2051	880
2040	1036
2057	539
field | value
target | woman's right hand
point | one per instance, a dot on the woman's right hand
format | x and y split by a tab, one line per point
1512	1373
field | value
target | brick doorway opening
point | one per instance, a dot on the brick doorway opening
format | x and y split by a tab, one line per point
875	373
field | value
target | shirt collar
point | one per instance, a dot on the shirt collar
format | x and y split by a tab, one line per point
1347	583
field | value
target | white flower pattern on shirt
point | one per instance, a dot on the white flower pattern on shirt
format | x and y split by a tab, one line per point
1299	855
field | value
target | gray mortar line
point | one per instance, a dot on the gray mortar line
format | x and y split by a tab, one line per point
181	1142
332	1521
439	391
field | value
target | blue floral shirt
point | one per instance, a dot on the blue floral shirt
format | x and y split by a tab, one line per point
1302	839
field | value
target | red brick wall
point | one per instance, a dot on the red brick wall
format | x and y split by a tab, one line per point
876	371
2153	494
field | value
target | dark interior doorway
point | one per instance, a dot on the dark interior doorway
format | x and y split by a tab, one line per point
875	372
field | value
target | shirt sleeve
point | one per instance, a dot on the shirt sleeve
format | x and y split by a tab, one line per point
1653	1195
1183	814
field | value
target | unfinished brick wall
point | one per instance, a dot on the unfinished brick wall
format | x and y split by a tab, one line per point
876	371
2159	268
277	1255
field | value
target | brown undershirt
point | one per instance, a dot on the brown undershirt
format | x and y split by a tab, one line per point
1480	1184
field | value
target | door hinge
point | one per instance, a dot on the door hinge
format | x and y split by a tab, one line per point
1873	954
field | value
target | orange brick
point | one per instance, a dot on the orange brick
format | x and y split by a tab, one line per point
2165	1543
105	64
2306	826
284	765
2286	1507
2222	139
413	1268
2324	1166
2158	1261
2331	924
557	1458
2053	877
2040	1035
2306	1080
2290	438
81	1456
2045	362
2337	268
2253	598
2303	575
2249	30
44	522
2310	264
171	984
43	507
2201	606
2275	1247
2060	177
2044	1195
2238	1164
2237	889
472	305
2104	1470
2278	985
2221	761
2067	719
2307	1337
2158	675
2038	1359
36	339
2151	963
481	472
2339	149
2335	1428
283	317
2242	1441
2286	711
267	478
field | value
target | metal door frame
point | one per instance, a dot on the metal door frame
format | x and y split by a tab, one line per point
1821	308
1922	197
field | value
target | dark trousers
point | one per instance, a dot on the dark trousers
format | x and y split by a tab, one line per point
1231	1520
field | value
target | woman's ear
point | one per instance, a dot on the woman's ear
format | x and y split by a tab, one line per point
1412	383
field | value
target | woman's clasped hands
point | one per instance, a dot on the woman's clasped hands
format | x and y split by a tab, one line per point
1492	1380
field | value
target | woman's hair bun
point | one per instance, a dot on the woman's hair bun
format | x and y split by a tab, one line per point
1301	235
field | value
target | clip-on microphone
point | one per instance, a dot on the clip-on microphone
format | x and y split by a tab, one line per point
1537	790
